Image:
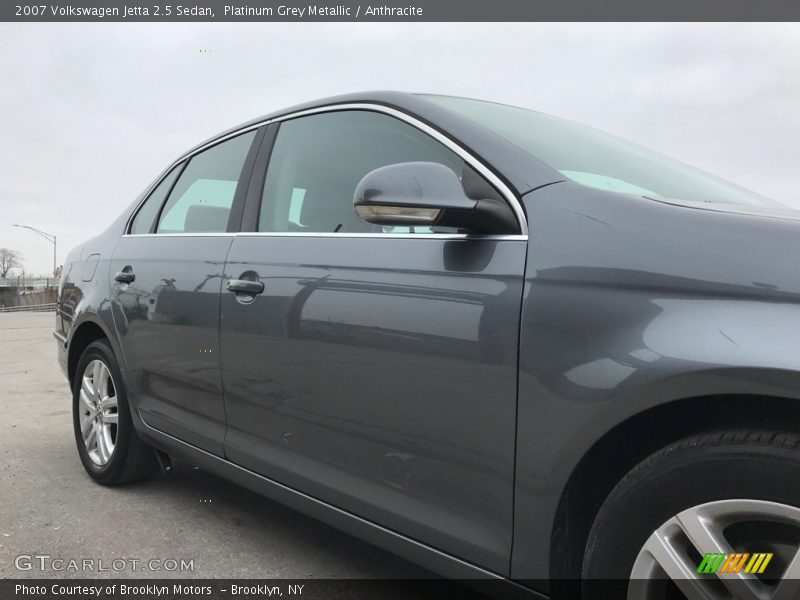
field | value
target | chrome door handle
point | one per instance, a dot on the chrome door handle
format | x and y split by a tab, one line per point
245	286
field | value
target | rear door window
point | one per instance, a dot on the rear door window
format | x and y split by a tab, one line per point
202	197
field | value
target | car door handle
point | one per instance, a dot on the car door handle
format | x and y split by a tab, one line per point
125	277
245	286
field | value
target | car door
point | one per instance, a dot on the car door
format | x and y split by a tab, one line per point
166	293
373	367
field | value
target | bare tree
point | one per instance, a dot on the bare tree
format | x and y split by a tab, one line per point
9	259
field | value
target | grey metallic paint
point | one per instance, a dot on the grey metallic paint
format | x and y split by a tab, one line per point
631	304
626	304
167	321
379	375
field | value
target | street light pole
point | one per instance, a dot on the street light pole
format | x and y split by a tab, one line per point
48	236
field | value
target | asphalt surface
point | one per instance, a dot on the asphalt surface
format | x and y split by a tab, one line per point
49	506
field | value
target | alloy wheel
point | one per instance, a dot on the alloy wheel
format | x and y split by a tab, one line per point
718	551
99	417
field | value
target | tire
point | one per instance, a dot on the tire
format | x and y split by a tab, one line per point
130	459
692	475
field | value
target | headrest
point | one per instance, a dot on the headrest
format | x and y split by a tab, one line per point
202	218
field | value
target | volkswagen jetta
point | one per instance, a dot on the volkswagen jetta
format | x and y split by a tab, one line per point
498	343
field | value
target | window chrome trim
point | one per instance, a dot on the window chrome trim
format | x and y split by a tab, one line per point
386	236
465	155
181	234
383	236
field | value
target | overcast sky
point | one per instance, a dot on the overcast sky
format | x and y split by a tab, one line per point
90	113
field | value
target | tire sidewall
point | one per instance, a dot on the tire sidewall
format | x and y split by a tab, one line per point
110	472
660	488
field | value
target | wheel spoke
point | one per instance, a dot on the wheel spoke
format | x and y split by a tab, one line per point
109	441
86	425
702	532
102	448
91	438
87	402
87	386
677	567
705	534
101	379
97	368
108	402
111	419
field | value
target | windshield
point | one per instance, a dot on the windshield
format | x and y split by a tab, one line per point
600	160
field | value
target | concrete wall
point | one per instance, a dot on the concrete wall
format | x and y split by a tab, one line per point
10	296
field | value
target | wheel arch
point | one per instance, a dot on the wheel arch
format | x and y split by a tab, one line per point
632	440
83	334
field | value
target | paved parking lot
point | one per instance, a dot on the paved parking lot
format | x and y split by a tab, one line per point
49	506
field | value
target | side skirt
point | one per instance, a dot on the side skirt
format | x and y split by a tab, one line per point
412	550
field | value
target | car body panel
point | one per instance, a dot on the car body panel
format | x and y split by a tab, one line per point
374	533
379	374
631	304
167	322
86	302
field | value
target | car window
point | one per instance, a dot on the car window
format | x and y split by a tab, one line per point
202	197
144	219
318	161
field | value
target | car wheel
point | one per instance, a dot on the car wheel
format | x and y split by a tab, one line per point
675	524
109	448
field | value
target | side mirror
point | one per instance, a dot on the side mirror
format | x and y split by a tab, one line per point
425	194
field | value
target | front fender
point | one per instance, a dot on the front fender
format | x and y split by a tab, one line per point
631	304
